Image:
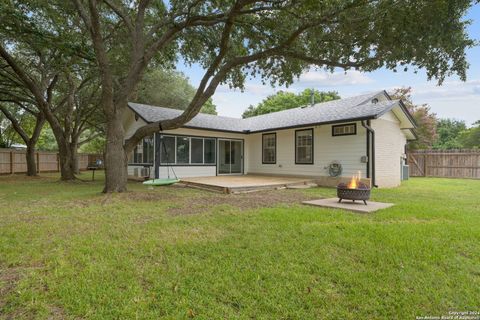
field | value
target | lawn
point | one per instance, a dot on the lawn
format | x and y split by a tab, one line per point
67	251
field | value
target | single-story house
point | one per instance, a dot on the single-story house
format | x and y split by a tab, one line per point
366	133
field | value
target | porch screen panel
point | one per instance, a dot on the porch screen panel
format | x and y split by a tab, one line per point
183	150
148	149
167	150
197	150
304	146
143	152
209	151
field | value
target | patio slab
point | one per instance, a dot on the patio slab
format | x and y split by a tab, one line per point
357	206
246	183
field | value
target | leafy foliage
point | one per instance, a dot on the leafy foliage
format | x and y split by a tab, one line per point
284	100
425	119
96	145
470	138
46	141
448	134
169	89
7	133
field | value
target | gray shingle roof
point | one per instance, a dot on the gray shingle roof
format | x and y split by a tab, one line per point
348	109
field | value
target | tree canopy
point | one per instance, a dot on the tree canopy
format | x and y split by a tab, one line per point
470	138
169	89
284	100
448	134
425	119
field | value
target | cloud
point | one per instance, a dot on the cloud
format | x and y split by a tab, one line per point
449	90
328	79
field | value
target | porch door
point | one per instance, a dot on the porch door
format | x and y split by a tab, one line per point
230	156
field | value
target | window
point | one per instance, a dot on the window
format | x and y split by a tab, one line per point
197	150
209	151
269	148
344	129
143	152
304	146
182	150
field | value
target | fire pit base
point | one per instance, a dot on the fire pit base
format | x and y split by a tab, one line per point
364	201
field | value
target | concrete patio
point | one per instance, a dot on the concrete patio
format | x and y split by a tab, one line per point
246	183
357	206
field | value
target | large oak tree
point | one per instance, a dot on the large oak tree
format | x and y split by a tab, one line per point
45	71
275	40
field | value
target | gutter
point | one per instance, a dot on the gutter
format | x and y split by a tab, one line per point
370	149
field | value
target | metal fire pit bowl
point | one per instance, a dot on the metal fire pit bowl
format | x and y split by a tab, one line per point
362	192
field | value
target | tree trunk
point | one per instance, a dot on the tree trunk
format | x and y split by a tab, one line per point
31	162
74	157
115	156
66	166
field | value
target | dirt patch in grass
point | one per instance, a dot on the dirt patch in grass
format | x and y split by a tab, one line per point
9	278
242	201
8	281
129	196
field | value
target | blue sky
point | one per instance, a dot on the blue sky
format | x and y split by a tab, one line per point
454	99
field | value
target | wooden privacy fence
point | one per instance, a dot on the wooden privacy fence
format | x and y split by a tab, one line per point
13	161
445	163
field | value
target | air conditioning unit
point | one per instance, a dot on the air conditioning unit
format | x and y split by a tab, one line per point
144	172
405	172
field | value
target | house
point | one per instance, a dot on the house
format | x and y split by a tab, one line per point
366	133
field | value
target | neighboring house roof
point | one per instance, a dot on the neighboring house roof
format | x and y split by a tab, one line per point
18	146
356	108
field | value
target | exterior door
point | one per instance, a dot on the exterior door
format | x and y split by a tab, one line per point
230	156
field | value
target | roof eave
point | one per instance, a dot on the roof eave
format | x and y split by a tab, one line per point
314	124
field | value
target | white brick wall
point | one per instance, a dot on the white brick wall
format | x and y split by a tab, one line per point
389	148
348	150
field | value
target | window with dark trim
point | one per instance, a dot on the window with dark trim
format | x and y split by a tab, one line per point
184	150
269	148
304	146
348	129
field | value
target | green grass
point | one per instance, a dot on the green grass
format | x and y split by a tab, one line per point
67	251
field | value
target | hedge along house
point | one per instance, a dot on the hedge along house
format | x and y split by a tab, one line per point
366	133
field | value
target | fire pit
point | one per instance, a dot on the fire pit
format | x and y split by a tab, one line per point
354	190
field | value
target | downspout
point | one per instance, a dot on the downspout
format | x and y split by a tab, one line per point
372	151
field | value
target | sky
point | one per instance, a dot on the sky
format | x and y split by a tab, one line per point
453	99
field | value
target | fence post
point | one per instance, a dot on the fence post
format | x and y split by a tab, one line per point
12	165
424	164
38	162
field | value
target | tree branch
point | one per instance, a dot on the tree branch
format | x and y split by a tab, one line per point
15	124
